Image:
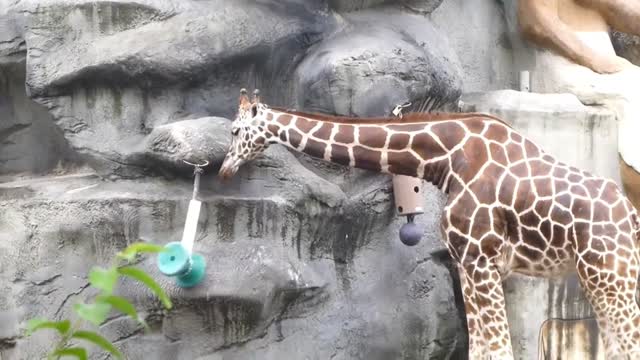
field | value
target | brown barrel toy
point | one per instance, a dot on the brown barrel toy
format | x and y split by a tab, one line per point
407	192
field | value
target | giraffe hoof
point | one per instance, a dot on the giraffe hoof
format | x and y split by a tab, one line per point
410	234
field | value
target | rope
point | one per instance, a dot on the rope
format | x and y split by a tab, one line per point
197	171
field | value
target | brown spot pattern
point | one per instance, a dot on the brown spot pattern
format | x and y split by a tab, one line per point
294	138
514	152
476	155
498	154
304	125
345	134
399	141
340	154
370	136
273	129
403	163
543	187
450	134
497	132
366	159
324	132
426	147
315	148
531	149
285	119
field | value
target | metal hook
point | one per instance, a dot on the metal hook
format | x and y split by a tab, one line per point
196	165
397	111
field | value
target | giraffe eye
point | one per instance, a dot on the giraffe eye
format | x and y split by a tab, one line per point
235	131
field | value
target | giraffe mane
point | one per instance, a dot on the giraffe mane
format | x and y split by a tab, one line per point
408	118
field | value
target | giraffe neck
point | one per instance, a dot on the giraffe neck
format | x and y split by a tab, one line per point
410	149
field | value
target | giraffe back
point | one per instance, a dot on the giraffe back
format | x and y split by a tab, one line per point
409	118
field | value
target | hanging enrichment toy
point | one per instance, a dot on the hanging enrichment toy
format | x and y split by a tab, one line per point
407	191
178	259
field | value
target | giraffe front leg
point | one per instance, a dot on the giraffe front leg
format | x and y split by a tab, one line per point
488	322
474	326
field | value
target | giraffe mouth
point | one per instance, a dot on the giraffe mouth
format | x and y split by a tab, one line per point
229	168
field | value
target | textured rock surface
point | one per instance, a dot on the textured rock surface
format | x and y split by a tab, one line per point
12	44
303	271
304	259
110	72
371	66
29	140
197	141
480	37
418	6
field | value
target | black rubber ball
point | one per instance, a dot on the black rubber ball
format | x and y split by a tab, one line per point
410	234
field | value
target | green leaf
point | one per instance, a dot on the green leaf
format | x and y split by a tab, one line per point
98	340
121	304
147	280
140	247
36	324
94	313
80	353
103	279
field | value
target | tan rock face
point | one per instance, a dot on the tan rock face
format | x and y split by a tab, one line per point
577	35
580	18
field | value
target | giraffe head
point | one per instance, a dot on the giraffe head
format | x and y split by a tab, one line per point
248	134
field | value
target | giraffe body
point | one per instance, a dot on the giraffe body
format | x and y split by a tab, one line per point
511	207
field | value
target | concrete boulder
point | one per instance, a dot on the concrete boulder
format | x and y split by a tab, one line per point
196	141
371	66
303	256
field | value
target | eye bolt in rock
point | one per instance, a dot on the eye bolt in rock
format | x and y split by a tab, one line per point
178	259
407	192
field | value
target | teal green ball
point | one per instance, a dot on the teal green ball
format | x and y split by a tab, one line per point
196	275
174	260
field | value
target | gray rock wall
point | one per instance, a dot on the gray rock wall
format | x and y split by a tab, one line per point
300	274
30	142
480	35
303	257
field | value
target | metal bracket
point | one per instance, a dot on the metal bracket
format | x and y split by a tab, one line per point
397	111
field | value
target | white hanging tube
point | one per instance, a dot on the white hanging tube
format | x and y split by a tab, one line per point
193	214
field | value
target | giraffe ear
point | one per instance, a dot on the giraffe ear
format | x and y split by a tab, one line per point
254	110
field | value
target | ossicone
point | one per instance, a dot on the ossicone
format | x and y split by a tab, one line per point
256	96
244	98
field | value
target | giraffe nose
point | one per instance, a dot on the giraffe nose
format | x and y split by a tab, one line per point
230	166
226	173
227	170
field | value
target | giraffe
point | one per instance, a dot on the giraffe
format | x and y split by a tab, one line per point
511	207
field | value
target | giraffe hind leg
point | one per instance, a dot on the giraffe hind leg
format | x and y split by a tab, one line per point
476	341
609	280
